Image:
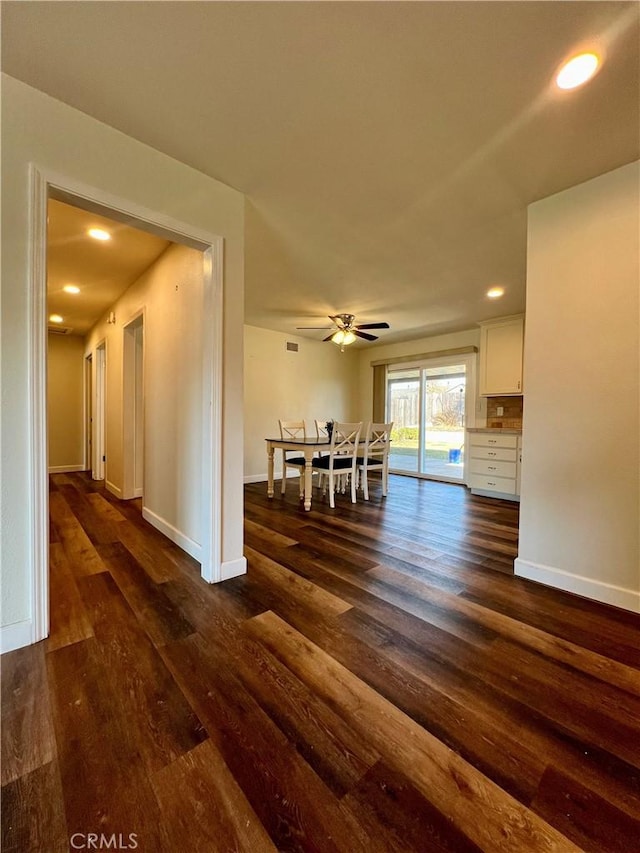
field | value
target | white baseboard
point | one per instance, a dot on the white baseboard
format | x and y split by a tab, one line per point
137	493
115	490
503	496
233	568
65	469
16	636
608	593
263	478
192	548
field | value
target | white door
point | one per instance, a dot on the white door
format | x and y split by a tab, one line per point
138	444
133	408
99	415
88	427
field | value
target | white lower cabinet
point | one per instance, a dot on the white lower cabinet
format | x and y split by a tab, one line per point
494	464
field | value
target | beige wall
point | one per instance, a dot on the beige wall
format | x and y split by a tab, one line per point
454	340
38	129
318	381
170	293
65	402
580	507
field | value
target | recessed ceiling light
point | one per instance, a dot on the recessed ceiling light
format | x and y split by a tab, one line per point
71	288
55	318
495	292
99	234
577	71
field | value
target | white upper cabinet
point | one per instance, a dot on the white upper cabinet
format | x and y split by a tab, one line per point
501	346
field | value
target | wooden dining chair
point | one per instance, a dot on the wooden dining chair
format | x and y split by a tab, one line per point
322	433
341	458
321	429
375	456
292	429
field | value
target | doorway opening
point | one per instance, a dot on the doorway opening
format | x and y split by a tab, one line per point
88	412
96	424
99	414
133	408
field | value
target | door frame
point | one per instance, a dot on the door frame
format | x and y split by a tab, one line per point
130	413
95	397
45	184
88	412
470	361
98	426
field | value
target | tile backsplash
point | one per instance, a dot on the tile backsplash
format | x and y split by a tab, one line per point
512	417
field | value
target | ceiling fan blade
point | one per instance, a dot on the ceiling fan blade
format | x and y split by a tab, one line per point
364	335
328	338
321	328
373	326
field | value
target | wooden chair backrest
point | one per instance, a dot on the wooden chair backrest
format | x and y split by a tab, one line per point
377	440
345	438
321	429
293	429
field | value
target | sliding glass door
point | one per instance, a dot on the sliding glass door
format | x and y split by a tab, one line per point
428	404
403	408
444	415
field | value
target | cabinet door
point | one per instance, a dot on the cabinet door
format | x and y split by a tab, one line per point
501	358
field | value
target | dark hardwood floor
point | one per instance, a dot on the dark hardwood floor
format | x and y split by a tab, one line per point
378	681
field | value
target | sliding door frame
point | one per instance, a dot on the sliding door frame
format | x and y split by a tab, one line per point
472	404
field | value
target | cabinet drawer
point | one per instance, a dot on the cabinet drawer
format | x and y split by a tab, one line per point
491	439
506	485
493	468
504	454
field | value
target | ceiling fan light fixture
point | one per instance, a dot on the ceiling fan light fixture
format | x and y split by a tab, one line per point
343	337
347	330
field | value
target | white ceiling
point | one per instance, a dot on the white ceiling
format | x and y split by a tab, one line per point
102	270
388	150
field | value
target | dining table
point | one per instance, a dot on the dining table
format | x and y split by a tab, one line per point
307	447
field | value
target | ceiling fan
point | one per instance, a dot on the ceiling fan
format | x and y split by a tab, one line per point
347	329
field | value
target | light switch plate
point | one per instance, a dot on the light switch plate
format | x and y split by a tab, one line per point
500	411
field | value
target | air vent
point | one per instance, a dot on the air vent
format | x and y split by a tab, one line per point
291	347
59	330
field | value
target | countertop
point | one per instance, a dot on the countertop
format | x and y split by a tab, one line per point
503	431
